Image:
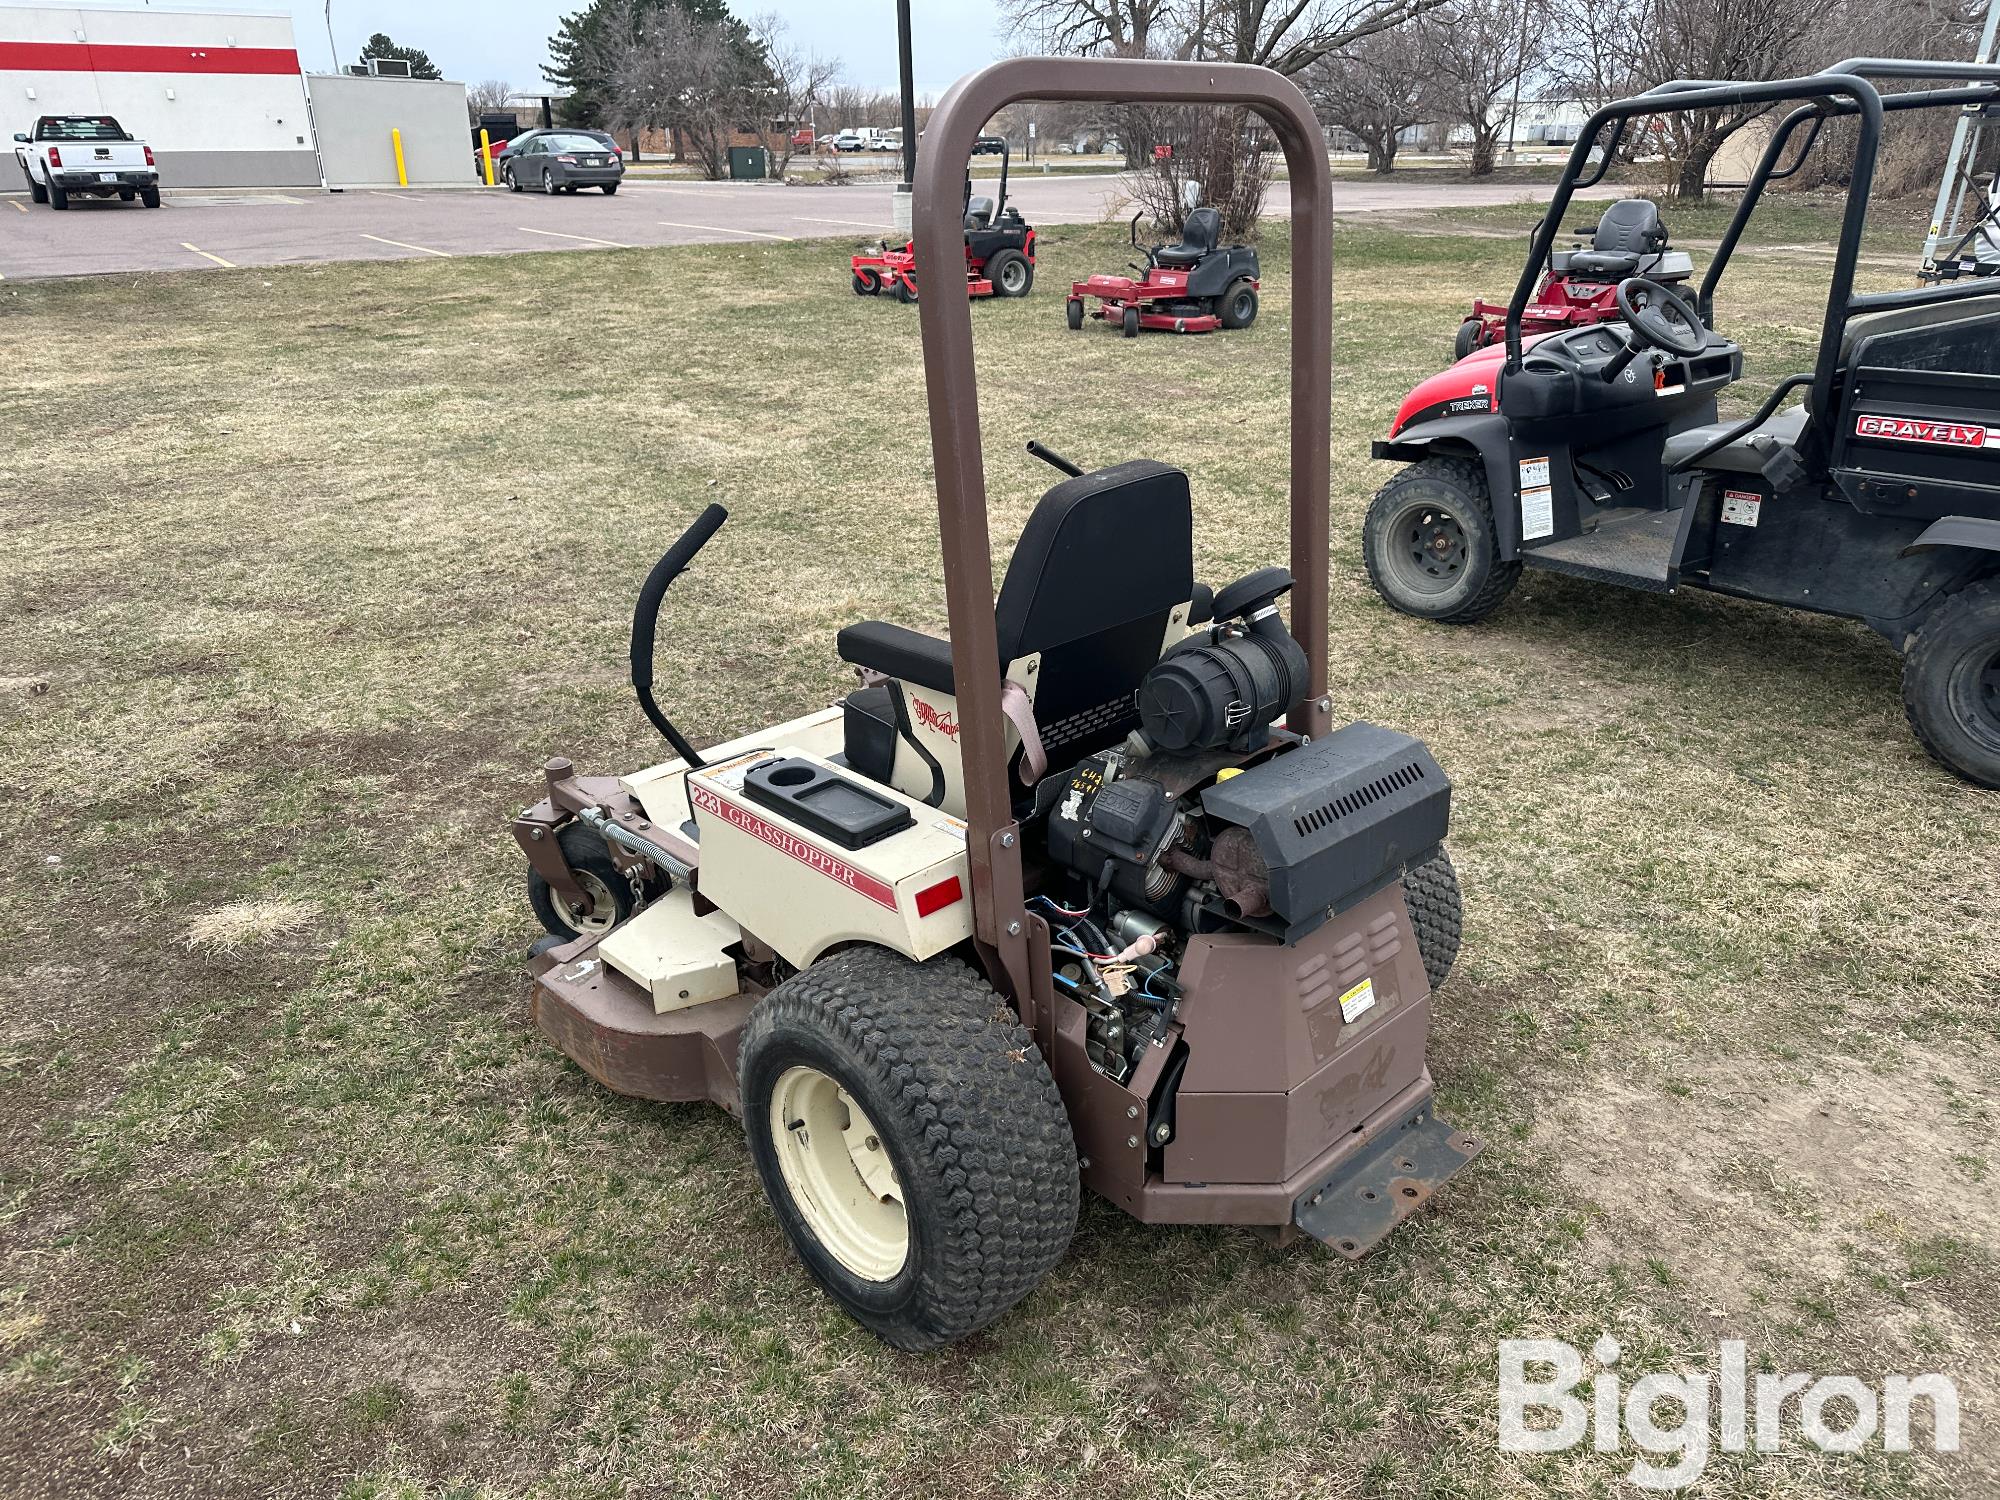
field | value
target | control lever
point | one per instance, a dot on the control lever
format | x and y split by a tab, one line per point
1054	459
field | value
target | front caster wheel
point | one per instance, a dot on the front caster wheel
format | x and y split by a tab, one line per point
911	1141
608	894
867	284
1075	314
1430	545
1951	683
1130	323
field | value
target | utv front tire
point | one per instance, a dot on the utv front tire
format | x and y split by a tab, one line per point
610	893
1430	891
1430	544
1951	683
911	1141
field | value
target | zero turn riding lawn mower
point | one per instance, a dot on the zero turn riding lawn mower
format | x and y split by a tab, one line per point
1197	286
1092	894
999	253
1597	451
1581	285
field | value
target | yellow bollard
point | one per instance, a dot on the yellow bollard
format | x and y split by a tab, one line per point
402	174
486	155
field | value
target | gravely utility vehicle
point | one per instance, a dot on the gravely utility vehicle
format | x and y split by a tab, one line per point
1597	451
1580	286
1197	286
1093	893
999	252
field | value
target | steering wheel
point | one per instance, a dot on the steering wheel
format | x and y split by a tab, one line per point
1665	320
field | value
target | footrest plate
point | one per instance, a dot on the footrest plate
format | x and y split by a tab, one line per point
1391	1177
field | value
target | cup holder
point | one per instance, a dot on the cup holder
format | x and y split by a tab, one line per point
792	775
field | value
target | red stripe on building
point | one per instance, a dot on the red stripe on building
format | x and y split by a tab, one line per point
97	57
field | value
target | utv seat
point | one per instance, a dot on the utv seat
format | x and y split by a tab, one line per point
1103	562
1200	236
1628	236
1749	453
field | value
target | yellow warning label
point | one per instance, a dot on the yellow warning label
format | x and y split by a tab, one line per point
1358	1001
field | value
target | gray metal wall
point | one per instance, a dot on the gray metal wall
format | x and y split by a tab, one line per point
248	169
352	118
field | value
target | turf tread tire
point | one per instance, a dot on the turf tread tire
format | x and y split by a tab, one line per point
972	1118
1437	912
1965	620
1468	477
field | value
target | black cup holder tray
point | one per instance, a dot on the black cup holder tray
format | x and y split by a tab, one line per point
822	800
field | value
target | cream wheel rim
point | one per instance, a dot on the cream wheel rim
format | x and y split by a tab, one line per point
603	911
837	1171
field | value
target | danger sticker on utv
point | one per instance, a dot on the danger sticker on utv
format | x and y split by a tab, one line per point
1534	473
1918	430
1739	507
792	846
1538	513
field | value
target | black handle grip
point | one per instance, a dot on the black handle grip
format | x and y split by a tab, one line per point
646	619
1054	459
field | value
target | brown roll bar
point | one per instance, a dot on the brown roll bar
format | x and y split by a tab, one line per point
1000	922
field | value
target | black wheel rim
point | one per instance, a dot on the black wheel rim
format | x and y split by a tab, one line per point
1980	695
1428	550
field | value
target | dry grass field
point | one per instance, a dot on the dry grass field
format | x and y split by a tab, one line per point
308	570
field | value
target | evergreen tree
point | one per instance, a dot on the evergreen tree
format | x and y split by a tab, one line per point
420	62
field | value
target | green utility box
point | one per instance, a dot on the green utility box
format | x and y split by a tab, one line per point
748	164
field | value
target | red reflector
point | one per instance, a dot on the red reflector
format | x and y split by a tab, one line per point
936	898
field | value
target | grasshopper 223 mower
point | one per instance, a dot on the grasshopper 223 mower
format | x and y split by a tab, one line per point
1598	451
999	252
1092	894
1196	286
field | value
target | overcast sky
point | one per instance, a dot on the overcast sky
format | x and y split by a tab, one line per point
473	40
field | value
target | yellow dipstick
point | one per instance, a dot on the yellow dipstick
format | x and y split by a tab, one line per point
402	174
486	155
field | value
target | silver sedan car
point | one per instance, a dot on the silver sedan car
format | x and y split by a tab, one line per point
561	163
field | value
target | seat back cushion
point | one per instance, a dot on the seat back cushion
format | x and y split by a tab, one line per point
978	212
1629	227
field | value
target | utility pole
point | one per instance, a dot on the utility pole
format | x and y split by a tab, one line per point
332	50
1520	67
904	213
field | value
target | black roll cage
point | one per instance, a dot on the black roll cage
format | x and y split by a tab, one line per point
1839	91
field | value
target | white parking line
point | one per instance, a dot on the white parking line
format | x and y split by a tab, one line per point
399	197
420	249
855	223
755	234
586	239
229	265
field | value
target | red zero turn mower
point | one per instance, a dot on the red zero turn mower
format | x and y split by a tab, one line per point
1866	486
999	253
1196	286
1094	894
1580	285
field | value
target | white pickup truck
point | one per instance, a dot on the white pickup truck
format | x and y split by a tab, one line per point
90	155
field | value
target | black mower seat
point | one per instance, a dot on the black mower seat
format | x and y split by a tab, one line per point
1201	235
1103	561
979	213
1629	233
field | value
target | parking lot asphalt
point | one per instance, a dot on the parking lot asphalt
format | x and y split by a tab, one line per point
195	231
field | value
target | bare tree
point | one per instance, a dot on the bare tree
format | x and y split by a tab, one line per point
668	69
1376	88
798	81
486	97
1478	52
1291	35
1220	156
1121	28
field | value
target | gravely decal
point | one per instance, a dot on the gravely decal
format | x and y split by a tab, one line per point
944	724
792	846
1918	430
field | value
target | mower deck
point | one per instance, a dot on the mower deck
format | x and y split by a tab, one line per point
1156	305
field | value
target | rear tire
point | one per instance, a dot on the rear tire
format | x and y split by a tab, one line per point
612	899
1010	274
150	197
1237	307
1951	683
58	198
867	284
36	192
1130	323
1075	314
611	190
1430	891
944	1110
1466	339
1430	544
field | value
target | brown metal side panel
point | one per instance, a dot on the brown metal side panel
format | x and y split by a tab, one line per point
1108	1120
951	382
607	1025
